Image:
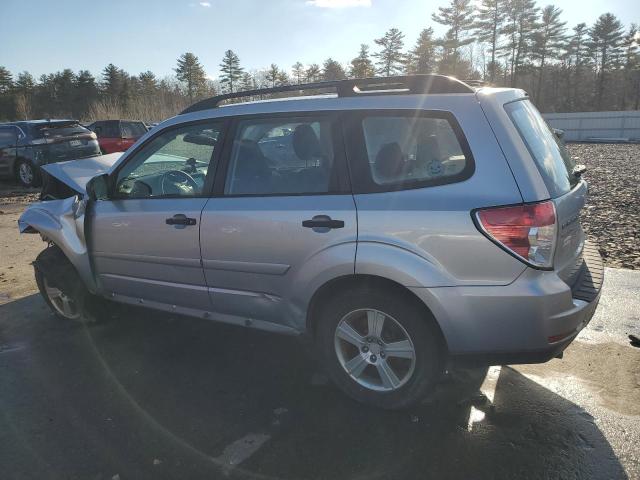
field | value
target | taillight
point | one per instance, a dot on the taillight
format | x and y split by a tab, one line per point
528	231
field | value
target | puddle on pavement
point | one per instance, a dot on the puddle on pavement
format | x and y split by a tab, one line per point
609	370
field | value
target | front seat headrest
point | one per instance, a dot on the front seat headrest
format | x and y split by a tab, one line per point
389	163
306	143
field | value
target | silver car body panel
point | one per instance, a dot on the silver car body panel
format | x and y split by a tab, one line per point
259	261
249	261
63	223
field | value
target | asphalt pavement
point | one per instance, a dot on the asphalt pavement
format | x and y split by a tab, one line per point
149	395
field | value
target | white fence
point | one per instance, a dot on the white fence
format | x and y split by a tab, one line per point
581	126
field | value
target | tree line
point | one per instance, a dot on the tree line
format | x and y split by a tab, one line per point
511	43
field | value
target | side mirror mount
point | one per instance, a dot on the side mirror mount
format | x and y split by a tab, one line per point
98	187
559	134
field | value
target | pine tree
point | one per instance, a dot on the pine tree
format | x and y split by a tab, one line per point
273	74
313	73
65	89
23	90
191	73
231	70
390	57
111	84
247	82
578	60
283	78
6	80
549	40
332	70
488	27
422	59
519	29
459	17
298	72
605	38
362	66
86	92
631	77
148	83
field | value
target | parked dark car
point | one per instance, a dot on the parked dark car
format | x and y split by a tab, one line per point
26	146
117	135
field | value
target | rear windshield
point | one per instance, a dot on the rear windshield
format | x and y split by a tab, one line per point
548	151
59	130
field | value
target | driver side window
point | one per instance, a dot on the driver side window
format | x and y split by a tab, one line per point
173	164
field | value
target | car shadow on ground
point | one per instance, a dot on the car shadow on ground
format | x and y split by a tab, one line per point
147	395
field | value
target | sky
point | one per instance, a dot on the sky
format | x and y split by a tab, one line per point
44	36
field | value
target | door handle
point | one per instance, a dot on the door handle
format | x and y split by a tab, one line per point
180	219
322	221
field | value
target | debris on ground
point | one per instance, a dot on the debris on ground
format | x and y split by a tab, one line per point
612	217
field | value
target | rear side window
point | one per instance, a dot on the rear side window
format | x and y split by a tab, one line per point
394	151
7	136
133	129
106	129
549	153
282	156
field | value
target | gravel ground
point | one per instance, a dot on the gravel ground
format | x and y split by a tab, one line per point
612	216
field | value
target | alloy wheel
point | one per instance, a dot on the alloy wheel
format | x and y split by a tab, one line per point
375	350
62	303
25	172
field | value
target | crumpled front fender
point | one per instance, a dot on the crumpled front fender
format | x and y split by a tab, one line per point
62	222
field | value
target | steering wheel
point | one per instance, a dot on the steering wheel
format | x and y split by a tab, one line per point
179	181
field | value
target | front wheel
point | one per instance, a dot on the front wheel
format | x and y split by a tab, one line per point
379	348
62	288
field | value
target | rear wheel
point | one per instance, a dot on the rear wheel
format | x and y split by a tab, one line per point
379	348
27	174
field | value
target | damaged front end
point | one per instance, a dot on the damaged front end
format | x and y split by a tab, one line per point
61	221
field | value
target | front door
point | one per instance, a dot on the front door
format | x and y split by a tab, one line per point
282	208
145	239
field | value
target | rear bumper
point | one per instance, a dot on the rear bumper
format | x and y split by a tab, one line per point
531	320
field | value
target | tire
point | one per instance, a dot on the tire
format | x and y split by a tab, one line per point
63	289
27	174
403	320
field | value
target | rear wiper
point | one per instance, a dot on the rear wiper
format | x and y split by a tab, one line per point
578	170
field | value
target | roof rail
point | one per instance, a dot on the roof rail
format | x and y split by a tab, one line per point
416	84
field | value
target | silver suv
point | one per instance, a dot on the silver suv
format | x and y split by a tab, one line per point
404	224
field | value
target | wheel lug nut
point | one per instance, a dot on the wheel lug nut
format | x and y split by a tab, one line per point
382	355
365	349
373	358
369	340
379	342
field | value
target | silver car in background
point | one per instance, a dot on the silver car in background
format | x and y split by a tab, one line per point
403	224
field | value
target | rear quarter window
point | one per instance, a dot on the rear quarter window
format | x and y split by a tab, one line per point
549	153
407	149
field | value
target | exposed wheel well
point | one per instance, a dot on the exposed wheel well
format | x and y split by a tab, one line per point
348	282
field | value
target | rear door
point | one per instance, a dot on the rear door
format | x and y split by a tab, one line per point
281	202
566	189
8	139
145	238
